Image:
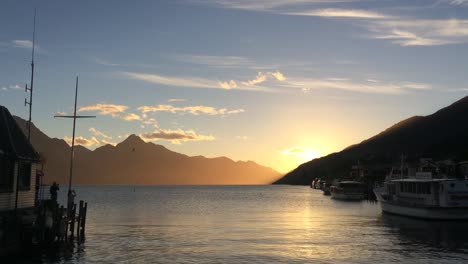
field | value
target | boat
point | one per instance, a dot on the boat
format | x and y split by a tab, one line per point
326	188
348	190
319	183
427	194
312	184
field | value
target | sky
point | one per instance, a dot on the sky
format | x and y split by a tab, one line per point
277	82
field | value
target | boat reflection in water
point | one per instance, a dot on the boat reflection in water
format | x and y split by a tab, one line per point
449	235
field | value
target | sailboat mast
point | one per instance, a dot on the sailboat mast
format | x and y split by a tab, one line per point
32	78
73	138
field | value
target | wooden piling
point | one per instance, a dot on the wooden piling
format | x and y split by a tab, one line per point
78	221
72	221
83	221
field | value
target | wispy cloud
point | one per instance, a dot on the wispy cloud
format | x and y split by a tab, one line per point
105	109
99	133
176	136
150	121
215	61
399	30
343	13
11	87
194	110
131	117
264	76
173	100
403	31
104	62
231	84
261	77
87	142
114	110
26	44
348	85
427	32
278	75
265	5
196	82
173	81
457	2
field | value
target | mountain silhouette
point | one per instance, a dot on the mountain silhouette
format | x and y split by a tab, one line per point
136	162
442	135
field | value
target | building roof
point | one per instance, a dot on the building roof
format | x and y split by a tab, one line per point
13	142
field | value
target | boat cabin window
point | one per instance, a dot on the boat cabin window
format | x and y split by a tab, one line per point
415	187
7	169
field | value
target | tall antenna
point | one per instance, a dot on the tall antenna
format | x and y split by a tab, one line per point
32	79
74	116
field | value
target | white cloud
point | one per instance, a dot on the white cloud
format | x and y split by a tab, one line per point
176	136
194	110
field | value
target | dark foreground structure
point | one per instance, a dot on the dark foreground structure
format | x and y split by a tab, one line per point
26	218
18	161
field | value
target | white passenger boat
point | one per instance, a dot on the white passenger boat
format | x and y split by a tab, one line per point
424	196
348	190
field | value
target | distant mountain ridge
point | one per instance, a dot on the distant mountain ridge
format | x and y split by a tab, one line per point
136	162
442	135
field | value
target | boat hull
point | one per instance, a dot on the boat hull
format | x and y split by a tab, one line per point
348	196
435	213
426	213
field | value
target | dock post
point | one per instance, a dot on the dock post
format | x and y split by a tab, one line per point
83	221
78	223
72	221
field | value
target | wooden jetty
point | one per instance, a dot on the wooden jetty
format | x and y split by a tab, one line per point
55	223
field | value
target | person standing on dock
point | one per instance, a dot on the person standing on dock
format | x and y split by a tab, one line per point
71	199
53	191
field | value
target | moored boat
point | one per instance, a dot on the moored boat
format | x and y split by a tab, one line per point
348	190
423	195
326	188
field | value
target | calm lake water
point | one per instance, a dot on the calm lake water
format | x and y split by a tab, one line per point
252	224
